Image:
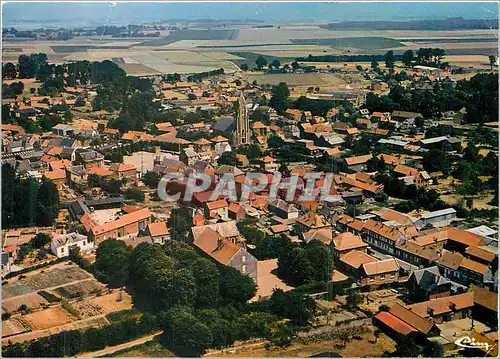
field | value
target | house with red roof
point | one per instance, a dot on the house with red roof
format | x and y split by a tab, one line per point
127	226
158	232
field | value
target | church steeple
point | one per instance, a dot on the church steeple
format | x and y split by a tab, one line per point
242	135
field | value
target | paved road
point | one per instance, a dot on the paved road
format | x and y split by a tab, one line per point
111	350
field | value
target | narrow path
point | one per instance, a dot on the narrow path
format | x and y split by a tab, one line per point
111	350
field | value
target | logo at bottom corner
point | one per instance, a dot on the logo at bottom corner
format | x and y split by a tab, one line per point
468	342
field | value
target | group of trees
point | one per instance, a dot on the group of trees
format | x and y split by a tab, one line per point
266	247
198	304
200	76
406	347
12	90
303	264
477	95
279	97
26	202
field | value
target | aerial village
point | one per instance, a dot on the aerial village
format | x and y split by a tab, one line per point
403	247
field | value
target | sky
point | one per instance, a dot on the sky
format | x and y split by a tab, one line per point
97	14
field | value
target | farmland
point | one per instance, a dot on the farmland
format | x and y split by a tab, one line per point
198	50
57	298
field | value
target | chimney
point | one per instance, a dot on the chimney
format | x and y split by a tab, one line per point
220	244
157	149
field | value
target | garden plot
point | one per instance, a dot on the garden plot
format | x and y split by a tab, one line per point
48	278
113	302
31	301
80	289
14	325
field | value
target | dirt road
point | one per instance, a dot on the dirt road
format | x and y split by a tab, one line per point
111	350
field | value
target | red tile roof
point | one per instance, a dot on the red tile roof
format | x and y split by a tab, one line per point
410	318
347	240
123	221
395	323
158	229
356	259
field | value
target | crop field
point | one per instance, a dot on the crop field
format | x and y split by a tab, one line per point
13	326
193	35
368	43
312	79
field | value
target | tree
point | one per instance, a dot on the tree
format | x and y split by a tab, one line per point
279	97
354	299
9	70
297	307
359	68
260	62
135	194
228	158
281	334
407	58
191	96
222	329
469	203
184	334
432	349
112	262
151	179
179	223
295	65
294	265
406	348
376	334
384	308
207	283
236	287
492	60
276	64
40	240
47	203
244	67
321	261
374	64
389	59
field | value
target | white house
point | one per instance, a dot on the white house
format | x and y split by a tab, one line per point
61	244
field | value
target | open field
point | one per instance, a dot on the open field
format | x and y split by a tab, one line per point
113	302
48	318
312	79
195	50
366	347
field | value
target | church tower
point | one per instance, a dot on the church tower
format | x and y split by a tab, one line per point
242	134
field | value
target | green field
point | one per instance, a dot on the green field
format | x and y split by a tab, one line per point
367	43
193	35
